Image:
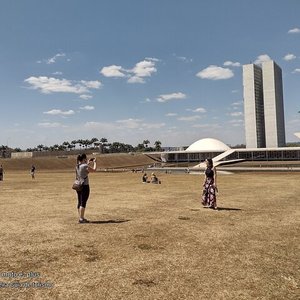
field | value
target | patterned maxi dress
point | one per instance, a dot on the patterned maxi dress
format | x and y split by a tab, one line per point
209	198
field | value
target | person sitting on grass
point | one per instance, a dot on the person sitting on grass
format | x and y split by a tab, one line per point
154	179
144	178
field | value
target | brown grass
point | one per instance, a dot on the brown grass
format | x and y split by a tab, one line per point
151	241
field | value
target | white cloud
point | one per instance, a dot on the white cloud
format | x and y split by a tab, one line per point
237	103
236	124
236	114
60	112
229	63
85	97
87	107
189	119
215	73
171	115
169	97
57	73
294	30
130	123
93	124
93	84
262	58
152	59
236	121
49	125
136	79
142	69
48	85
99	126
153	125
147	100
199	110
183	58
53	59
206	126
296	71
51	85
113	71
289	57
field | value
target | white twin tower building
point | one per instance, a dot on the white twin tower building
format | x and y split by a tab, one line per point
263	105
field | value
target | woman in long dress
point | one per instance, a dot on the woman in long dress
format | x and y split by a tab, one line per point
209	198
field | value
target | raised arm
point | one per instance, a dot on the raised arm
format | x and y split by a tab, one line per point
94	167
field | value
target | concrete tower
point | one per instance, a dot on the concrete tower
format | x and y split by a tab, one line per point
273	105
254	106
263	105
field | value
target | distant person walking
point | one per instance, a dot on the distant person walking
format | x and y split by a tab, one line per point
32	172
82	171
1	173
209	198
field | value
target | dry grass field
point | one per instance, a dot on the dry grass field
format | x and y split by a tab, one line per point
150	241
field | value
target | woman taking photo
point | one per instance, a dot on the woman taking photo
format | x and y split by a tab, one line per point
82	171
209	198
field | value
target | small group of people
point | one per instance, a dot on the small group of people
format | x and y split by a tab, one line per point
84	166
153	179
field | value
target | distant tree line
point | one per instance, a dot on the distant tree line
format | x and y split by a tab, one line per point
84	144
103	146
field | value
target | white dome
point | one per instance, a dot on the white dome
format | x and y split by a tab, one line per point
208	145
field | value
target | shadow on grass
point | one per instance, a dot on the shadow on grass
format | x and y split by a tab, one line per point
229	208
219	208
117	221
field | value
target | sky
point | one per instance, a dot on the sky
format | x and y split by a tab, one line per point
131	70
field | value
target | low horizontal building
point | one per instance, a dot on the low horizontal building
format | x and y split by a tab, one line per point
220	152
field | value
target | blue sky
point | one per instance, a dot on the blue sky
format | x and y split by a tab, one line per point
165	70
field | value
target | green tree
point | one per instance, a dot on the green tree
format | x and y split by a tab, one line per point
66	145
104	145
40	147
140	147
55	147
146	143
94	141
73	143
157	145
80	143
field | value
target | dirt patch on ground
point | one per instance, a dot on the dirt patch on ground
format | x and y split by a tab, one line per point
149	241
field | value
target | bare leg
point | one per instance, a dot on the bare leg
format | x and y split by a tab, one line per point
81	212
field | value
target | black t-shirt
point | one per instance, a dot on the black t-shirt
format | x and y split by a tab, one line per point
209	173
